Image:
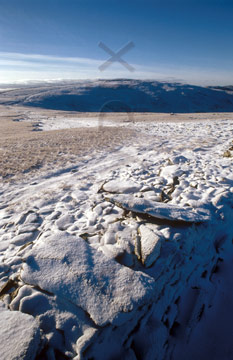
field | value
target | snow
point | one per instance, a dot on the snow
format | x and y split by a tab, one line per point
64	222
207	342
19	334
57	123
87	279
158	210
131	258
109	95
22	238
115	186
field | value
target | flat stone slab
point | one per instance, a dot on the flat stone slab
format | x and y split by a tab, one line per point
150	245
64	222
69	267
19	335
158	210
121	186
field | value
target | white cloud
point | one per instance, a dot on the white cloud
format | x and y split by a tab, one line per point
16	67
29	58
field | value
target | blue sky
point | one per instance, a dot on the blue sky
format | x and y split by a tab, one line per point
174	39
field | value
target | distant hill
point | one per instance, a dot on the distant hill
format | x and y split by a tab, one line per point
121	95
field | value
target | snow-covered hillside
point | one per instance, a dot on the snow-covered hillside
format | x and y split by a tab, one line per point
123	257
122	95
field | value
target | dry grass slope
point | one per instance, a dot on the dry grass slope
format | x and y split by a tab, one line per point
23	150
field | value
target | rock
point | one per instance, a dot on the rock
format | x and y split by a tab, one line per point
24	291
31	218
111	251
20	218
19	336
223	199
92	217
84	341
98	210
46	210
66	198
22	239
137	247
151	195
64	222
79	195
53	216
4	245
158	210
3	267
27	228
61	321
227	154
150	245
121	186
108	291
179	159
168	172
109	238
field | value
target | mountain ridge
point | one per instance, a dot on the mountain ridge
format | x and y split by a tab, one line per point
121	95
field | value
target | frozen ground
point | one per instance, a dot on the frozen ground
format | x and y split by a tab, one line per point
126	255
